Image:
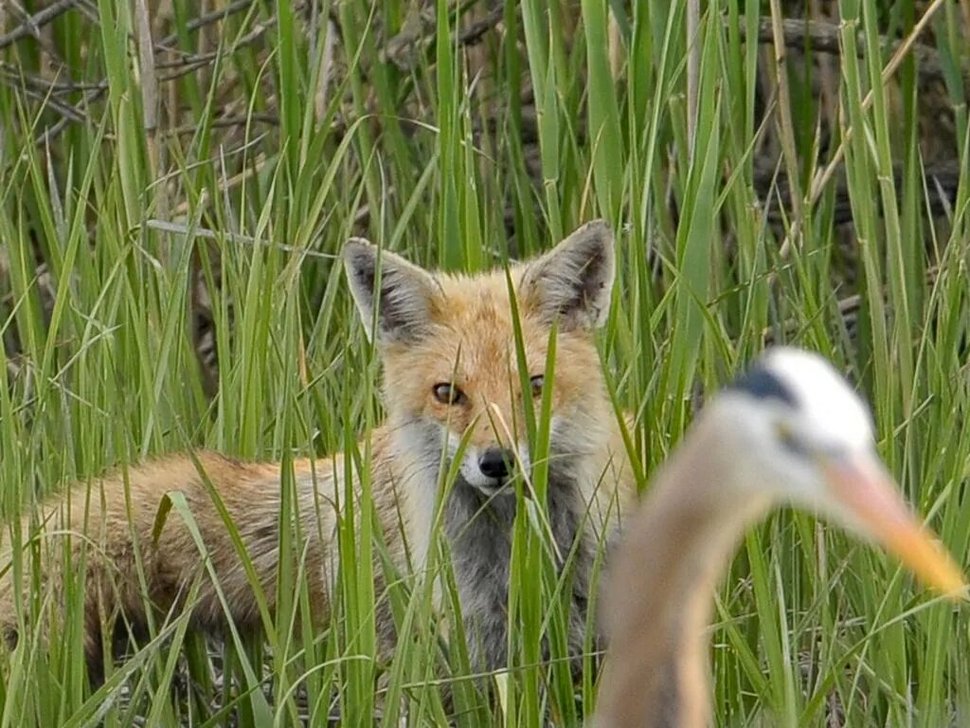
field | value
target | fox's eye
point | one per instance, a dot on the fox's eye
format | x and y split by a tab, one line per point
536	383
448	393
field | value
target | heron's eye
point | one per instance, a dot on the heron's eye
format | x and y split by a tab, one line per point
788	439
536	383
448	393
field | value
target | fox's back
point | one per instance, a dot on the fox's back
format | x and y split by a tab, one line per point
161	525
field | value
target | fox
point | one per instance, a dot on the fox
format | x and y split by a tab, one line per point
455	403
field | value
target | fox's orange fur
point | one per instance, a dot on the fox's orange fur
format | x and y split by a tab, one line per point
432	330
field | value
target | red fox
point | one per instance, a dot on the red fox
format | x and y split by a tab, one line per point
450	385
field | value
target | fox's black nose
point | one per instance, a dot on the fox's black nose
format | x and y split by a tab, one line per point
496	462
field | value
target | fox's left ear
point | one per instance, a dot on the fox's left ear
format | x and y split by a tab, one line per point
572	283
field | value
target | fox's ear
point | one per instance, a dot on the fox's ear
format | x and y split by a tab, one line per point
404	301
572	283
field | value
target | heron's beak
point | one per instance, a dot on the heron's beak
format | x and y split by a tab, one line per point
866	492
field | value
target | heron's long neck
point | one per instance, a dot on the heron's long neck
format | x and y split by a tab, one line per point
661	588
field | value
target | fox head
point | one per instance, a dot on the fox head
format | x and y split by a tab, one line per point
447	343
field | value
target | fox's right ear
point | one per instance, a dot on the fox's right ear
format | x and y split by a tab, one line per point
404	300
573	282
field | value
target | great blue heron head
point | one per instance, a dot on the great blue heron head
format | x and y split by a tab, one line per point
800	434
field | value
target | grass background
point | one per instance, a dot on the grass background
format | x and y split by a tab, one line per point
174	181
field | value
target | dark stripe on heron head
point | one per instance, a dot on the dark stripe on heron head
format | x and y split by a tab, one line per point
761	383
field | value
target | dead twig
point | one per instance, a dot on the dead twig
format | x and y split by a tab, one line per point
148	80
224	122
823	37
418	32
474	33
177	228
207	19
32	25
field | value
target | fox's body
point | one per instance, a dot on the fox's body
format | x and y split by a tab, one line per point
451	385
